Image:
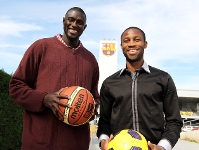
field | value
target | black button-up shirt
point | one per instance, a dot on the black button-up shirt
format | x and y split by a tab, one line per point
145	101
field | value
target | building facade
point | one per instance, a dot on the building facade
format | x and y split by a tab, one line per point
107	59
189	106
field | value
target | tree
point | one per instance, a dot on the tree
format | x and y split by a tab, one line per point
10	115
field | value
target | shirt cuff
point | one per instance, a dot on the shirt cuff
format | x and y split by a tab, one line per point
103	137
165	144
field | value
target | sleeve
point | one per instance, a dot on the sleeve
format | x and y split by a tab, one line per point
95	80
105	112
22	84
172	113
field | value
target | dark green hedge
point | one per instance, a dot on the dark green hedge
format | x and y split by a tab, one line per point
11	116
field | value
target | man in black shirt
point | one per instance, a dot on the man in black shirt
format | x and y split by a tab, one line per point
139	97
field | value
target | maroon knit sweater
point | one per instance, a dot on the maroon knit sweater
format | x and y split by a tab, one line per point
47	66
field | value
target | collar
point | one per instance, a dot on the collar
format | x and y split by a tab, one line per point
59	37
145	67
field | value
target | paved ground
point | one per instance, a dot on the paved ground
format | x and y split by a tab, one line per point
181	145
185	145
94	145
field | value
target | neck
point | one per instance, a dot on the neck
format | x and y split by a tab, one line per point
133	66
70	42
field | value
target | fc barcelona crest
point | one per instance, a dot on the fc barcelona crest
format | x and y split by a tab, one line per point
108	49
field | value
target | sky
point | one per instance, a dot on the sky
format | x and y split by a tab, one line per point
171	28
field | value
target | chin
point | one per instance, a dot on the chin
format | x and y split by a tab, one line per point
72	38
131	60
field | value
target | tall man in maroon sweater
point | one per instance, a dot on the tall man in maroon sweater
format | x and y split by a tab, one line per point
48	65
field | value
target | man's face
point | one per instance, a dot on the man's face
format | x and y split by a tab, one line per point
74	24
133	45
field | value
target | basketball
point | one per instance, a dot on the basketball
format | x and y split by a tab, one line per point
128	140
82	105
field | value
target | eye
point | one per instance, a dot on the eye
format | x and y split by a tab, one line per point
70	19
126	40
137	39
80	22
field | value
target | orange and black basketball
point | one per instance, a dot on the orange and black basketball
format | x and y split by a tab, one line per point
82	105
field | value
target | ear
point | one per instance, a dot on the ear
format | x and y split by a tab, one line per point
145	45
64	19
85	26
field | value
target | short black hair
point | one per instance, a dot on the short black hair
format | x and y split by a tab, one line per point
77	9
144	36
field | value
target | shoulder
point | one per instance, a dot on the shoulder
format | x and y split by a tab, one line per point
160	75
113	82
157	71
43	43
40	45
112	77
45	40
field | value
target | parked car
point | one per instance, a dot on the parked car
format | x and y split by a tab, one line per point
190	128
195	128
187	128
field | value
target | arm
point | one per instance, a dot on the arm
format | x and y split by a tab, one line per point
172	114
22	83
94	89
105	112
95	80
25	87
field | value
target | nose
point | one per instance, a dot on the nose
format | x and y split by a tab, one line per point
74	24
131	43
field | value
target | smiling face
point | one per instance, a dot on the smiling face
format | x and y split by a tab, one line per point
133	44
74	24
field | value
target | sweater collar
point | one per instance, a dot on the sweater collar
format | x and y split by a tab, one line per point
59	37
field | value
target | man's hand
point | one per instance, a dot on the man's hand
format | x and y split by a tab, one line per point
154	147
104	143
52	100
